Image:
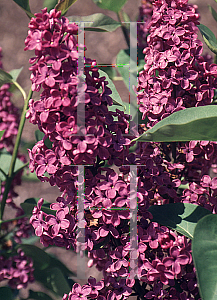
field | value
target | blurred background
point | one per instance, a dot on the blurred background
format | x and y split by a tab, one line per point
103	47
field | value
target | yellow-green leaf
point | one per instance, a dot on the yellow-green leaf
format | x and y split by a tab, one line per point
64	5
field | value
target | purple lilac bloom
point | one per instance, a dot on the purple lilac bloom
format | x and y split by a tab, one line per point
174	65
17	269
175	77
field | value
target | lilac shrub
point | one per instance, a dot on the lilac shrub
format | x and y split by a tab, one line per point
175	77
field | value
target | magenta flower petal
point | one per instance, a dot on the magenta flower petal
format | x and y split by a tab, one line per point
40	170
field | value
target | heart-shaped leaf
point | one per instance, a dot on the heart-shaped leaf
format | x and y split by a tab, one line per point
96	22
204	251
181	217
195	123
209	37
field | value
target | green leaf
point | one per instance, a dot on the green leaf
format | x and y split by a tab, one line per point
50	4
5	77
38	295
48	270
97	22
204	251
41	259
195	123
30	203
181	217
21	168
126	19
109	70
123	63
1	133
115	95
15	73
214	13
55	262
11	78
40	135
28	176
64	5
5	160
54	280
113	5
24	4
31	240
6	293
209	37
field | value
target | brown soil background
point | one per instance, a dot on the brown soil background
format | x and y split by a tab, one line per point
100	46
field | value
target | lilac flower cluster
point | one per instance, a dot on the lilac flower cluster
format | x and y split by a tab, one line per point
56	112
9	116
55	70
17	270
161	78
175	75
173	79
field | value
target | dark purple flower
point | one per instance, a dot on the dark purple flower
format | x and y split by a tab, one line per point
176	260
95	286
79	292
